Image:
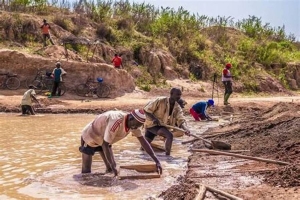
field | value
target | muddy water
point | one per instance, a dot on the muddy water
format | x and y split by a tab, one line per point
39	158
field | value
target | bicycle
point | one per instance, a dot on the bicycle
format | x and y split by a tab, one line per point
44	83
95	88
10	81
29	81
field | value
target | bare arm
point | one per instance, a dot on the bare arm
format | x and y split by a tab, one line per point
150	151
109	156
184	127
154	119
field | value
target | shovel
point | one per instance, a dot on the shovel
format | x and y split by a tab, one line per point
214	144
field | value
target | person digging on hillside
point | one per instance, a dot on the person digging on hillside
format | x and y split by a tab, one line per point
227	81
198	110
117	61
57	74
164	111
26	103
107	129
46	33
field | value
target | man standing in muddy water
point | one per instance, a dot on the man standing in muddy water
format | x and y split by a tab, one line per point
227	81
107	129
164	111
26	103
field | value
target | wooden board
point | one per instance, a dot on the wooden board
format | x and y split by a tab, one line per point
157	146
129	172
141	168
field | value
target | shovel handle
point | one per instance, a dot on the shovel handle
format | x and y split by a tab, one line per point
195	136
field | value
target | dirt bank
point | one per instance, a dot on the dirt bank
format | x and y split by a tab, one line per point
271	132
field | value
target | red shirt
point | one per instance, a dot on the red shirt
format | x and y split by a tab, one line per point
117	61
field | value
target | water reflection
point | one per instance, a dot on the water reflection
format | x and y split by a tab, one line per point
39	158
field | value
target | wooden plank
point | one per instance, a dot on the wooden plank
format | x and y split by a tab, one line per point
241	156
141	168
144	176
157	146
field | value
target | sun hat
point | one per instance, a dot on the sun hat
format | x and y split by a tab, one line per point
139	115
211	102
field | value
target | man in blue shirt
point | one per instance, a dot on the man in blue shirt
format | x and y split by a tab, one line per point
198	110
58	72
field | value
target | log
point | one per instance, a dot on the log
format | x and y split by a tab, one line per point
201	193
144	176
241	156
225	194
141	168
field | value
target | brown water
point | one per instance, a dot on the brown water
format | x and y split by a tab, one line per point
39	158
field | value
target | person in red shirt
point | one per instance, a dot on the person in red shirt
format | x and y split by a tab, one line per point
117	61
46	32
227	81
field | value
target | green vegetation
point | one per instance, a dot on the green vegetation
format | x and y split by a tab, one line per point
189	37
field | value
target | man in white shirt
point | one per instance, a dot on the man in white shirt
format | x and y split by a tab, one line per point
107	129
26	102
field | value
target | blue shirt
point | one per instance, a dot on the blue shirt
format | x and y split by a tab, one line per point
200	108
57	74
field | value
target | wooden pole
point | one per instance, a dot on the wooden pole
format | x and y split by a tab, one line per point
225	194
201	193
241	156
189	141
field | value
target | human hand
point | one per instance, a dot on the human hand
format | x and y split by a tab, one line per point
158	168
187	132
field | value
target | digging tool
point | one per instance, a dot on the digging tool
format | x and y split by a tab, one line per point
214	144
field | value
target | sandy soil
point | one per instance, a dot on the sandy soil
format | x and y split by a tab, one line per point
267	126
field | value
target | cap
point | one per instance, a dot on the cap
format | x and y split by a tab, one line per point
32	87
228	65
211	102
139	115
58	64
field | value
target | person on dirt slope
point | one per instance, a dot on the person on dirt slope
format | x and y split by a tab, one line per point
117	61
46	32
198	110
57	73
164	111
107	129
227	81
26	103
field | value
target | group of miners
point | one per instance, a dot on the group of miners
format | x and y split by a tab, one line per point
111	126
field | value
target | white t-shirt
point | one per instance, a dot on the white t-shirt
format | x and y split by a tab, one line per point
110	127
26	100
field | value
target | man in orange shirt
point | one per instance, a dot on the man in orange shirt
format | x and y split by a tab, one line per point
46	32
117	60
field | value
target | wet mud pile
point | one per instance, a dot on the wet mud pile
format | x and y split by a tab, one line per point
185	189
288	176
270	133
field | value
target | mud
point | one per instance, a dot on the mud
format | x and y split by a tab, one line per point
288	176
269	132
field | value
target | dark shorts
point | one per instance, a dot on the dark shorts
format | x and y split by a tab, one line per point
86	149
152	132
118	67
26	109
